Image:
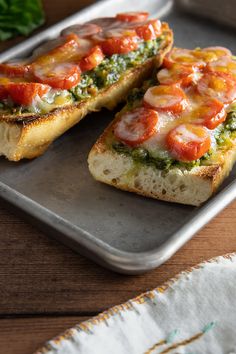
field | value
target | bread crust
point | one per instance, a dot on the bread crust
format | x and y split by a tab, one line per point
180	186
29	135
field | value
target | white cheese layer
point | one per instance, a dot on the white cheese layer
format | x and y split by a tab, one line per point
167	121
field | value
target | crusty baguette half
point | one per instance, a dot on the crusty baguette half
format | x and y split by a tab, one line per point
177	185
29	135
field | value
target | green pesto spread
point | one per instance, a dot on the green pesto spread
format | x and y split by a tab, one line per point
107	73
112	68
224	134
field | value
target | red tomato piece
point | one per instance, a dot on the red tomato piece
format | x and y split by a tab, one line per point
223	65
184	57
14	69
3	92
4	81
83	31
217	85
136	126
93	59
25	93
210	113
165	98
132	16
46	47
119	32
188	142
212	53
105	23
116	30
109	24
62	52
61	76
178	73
70	40
149	30
119	45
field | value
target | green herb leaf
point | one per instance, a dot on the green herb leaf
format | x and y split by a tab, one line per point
19	17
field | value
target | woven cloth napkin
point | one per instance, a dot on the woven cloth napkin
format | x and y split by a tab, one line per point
195	313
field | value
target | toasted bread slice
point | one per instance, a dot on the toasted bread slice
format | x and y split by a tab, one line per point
172	163
178	185
29	135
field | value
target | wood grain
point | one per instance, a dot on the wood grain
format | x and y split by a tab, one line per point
40	276
26	335
46	288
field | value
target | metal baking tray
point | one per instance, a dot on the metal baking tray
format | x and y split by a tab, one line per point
122	231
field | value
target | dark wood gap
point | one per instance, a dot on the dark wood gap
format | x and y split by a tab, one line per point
48	315
26	335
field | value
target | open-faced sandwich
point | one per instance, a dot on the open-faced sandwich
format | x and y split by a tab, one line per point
175	139
88	67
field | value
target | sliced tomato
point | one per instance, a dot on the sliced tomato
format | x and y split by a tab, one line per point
120	32
93	59
105	22
4	80
3	92
178	73
25	93
210	113
165	98
113	28
184	57
212	53
117	30
14	69
83	31
188	142
223	65
62	76
110	23
149	30
132	16
119	45
69	40
46	47
136	126
217	85
63	52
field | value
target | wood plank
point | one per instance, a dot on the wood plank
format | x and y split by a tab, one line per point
40	276
26	335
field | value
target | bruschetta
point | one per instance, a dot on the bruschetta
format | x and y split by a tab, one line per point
88	67
175	139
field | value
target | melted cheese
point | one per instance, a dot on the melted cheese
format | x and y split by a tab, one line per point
156	144
51	100
167	121
196	111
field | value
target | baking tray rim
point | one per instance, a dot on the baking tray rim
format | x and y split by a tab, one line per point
106	255
84	242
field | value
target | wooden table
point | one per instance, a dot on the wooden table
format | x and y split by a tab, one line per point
46	288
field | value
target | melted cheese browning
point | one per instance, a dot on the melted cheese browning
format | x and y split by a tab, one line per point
197	110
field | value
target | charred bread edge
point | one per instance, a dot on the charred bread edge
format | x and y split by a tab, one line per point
176	185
